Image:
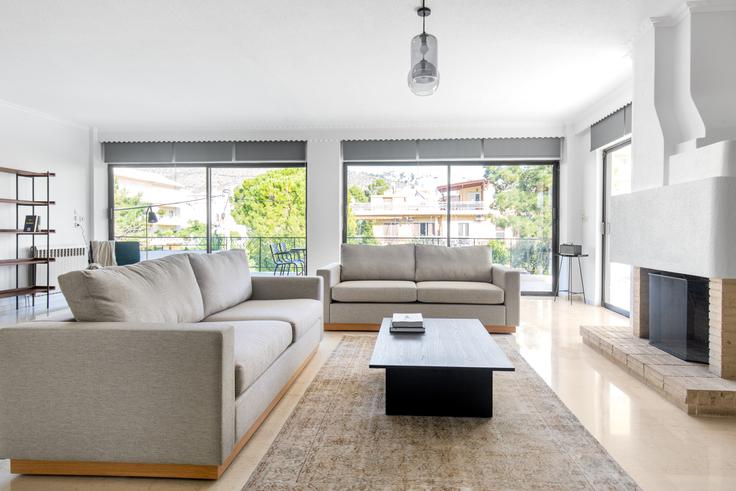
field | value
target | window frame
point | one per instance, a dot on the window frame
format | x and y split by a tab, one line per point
449	163
604	216
208	166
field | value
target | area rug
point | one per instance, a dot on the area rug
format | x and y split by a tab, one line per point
338	437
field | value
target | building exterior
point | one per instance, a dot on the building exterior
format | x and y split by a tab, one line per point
422	213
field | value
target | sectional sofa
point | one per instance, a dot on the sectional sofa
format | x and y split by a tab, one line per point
169	369
373	282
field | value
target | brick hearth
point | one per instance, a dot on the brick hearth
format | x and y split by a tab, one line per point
690	386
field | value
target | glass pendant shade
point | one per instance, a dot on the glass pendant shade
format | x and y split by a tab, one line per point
424	77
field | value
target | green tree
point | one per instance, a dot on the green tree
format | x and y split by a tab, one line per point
523	200
272	204
378	187
362	228
130	223
500	252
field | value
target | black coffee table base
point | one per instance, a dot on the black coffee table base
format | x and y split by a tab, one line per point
460	392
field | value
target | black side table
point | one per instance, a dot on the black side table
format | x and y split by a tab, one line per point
569	291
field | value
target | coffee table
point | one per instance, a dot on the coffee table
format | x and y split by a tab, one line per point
446	371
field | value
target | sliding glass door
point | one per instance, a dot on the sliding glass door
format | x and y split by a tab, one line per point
208	207
616	181
508	206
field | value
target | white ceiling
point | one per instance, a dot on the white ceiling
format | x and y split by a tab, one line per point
224	64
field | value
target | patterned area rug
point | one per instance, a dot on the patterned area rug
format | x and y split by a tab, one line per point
338	437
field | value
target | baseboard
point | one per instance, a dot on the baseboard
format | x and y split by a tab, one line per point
123	469
375	327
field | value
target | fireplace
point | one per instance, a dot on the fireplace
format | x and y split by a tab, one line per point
678	315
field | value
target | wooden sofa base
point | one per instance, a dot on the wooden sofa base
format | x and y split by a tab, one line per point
122	469
376	327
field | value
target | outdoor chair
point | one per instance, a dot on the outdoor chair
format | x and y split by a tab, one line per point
281	260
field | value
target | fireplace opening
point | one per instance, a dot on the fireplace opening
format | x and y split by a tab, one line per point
678	315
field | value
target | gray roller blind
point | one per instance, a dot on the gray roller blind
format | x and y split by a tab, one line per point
203	152
194	152
611	128
139	152
379	150
271	151
461	149
450	149
522	148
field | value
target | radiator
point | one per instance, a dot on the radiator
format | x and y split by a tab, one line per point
67	259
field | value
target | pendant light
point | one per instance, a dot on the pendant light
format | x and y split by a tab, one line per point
424	77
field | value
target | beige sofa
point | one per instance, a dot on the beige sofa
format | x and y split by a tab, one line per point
170	368
373	282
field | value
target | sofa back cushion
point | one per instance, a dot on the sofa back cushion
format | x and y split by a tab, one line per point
440	263
223	278
161	290
366	262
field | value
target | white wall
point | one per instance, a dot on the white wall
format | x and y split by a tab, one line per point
647	146
33	141
324	203
581	197
580	205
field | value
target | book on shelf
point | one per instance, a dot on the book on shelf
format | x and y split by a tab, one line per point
31	223
407	323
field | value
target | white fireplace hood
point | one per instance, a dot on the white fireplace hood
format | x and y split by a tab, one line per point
686	227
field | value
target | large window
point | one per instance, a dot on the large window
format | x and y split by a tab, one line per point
200	208
507	206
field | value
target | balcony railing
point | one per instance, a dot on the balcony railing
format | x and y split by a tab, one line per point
424	207
258	248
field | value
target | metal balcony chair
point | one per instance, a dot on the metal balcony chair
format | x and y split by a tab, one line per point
281	260
294	256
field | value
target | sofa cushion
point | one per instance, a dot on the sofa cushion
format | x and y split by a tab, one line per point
301	313
367	262
459	292
375	291
223	278
160	290
440	263
257	344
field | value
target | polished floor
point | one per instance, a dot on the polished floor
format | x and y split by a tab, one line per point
659	445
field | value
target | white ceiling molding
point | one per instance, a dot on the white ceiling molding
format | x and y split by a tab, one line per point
44	115
603	108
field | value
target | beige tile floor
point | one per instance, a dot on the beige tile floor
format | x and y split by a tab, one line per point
660	446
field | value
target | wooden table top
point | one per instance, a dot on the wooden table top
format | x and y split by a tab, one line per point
446	343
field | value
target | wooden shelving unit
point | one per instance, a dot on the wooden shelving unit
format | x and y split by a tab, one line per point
18	261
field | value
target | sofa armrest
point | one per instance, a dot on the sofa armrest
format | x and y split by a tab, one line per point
117	392
283	287
330	277
509	280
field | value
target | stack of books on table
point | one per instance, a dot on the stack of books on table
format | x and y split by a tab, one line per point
407	323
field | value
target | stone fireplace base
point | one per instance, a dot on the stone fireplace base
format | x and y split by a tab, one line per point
695	388
690	386
722	320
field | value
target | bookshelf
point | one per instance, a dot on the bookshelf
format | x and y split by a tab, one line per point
22	206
